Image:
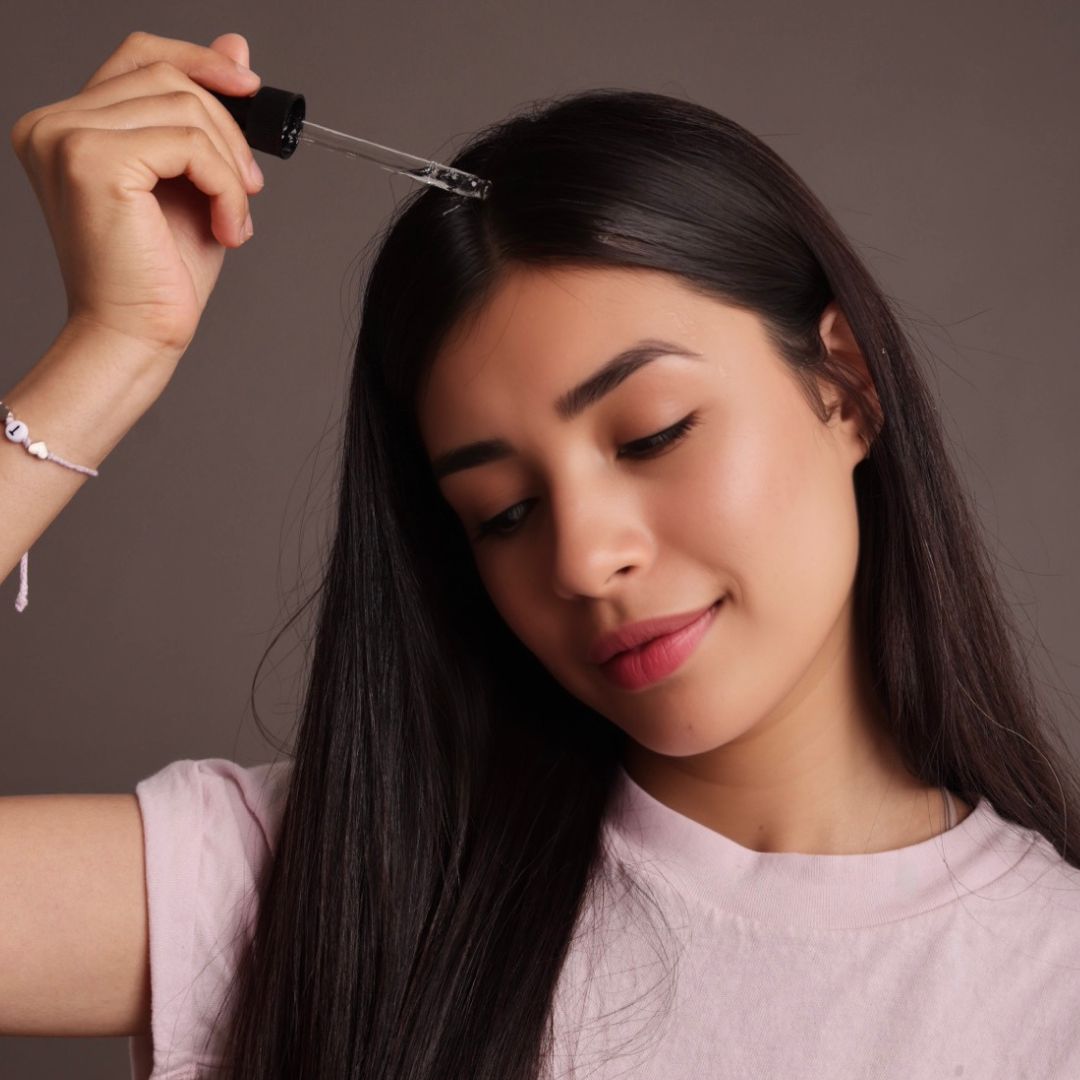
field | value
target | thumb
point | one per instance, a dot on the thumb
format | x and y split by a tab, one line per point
234	46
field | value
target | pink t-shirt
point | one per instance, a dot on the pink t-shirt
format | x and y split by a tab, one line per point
956	957
209	828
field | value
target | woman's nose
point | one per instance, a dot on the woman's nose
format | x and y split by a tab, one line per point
596	542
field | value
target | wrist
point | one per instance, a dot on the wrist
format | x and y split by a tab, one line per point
149	366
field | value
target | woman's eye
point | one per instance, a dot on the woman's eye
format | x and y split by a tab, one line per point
649	446
505	524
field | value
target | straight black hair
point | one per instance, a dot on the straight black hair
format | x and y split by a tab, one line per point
442	833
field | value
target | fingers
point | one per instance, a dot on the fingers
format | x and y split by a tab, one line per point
147	83
160	152
201	65
234	46
170	112
153	88
140	49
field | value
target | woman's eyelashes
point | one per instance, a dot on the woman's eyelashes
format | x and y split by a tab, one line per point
505	524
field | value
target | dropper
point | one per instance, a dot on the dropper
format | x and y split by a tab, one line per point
273	120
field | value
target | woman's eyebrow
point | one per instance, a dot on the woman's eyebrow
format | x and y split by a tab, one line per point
571	404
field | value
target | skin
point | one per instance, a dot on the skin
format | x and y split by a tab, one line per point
770	733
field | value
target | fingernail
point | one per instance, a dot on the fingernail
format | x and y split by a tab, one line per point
245	71
256	173
248	228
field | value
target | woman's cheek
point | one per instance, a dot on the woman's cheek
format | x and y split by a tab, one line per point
725	503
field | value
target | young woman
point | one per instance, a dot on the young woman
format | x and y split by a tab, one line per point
665	718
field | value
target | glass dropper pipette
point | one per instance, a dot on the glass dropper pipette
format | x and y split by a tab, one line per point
273	120
431	172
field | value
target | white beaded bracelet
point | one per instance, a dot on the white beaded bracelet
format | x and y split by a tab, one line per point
17	432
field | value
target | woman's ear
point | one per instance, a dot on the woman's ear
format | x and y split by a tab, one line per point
863	416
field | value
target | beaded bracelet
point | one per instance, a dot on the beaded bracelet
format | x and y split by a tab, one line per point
17	432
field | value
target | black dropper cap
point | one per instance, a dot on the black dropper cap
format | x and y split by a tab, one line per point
271	119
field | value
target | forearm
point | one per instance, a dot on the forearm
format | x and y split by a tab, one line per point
80	399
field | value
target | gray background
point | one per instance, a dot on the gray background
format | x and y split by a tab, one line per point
943	136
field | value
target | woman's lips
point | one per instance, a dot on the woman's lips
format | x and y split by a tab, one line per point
645	664
631	635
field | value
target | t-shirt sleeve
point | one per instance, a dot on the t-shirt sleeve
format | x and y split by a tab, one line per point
209	832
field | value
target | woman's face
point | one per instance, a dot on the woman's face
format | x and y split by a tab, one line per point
754	504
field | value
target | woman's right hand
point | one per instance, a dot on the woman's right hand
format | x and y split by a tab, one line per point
138	251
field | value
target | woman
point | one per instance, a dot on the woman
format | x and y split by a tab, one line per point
817	827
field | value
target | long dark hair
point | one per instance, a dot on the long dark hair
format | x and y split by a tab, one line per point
442	831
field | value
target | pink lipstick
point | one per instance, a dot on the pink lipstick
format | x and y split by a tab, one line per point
638	667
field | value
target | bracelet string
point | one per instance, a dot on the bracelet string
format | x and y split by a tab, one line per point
17	432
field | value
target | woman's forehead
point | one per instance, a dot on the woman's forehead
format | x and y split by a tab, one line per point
542	330
566	317
576	292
